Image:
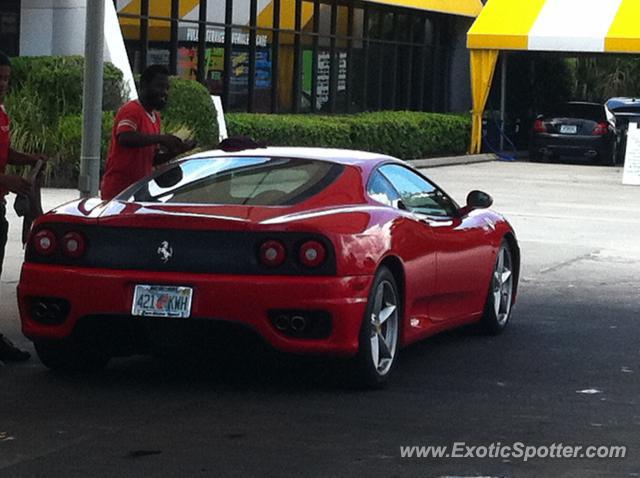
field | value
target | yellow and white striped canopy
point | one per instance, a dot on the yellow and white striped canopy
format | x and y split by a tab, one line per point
467	8
593	26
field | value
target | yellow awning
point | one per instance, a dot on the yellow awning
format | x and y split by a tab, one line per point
590	26
467	8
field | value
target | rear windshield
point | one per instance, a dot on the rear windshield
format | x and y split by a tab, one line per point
579	111
262	181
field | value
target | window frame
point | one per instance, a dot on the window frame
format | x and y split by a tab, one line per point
455	213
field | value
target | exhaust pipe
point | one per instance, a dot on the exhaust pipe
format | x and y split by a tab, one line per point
298	323
41	311
282	323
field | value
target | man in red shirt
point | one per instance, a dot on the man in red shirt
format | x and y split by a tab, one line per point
9	183
136	142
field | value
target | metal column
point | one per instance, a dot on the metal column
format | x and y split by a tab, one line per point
89	181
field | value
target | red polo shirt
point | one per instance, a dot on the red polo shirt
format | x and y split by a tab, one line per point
125	166
5	143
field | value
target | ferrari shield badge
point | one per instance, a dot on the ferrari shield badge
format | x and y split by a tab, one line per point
165	251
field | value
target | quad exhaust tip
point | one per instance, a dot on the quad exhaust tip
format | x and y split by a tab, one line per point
302	324
298	323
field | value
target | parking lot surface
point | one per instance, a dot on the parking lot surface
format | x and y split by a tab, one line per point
565	371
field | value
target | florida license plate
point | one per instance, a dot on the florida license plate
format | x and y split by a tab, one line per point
162	301
568	129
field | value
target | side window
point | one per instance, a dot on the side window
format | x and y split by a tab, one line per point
380	190
418	194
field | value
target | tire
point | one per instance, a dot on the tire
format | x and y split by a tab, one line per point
373	364
607	158
498	307
535	157
70	357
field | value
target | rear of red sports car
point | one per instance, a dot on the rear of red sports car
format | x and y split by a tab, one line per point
259	248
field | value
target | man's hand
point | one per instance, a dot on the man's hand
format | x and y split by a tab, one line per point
189	145
22	159
39	157
171	143
15	184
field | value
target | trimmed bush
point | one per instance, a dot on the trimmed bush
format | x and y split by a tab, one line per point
404	134
411	135
60	80
66	169
291	130
190	105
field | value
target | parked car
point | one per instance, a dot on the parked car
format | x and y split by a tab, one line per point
577	130
625	110
317	251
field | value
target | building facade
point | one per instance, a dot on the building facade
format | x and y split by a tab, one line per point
279	56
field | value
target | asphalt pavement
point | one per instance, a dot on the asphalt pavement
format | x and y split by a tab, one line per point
565	371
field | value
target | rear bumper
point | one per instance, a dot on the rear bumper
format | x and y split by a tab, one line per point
576	146
243	300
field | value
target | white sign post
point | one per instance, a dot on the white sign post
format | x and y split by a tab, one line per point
222	124
631	174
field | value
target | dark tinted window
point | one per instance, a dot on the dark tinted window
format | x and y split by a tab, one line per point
237	180
580	111
418	194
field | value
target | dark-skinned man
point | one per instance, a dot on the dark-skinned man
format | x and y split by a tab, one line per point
9	183
136	142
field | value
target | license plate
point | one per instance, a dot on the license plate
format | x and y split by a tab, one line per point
568	129
162	301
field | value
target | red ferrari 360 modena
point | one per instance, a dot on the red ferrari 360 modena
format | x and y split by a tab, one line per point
318	251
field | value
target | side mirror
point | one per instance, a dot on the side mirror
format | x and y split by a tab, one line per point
477	200
398	204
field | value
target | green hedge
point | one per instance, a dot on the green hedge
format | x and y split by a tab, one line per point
404	134
291	130
66	168
59	80
190	106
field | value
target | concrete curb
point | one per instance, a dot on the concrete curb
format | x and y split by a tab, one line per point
452	160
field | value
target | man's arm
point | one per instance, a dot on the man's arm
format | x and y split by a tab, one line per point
164	156
134	139
23	159
15	184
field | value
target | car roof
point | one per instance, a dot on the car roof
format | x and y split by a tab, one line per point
630	103
340	156
586	103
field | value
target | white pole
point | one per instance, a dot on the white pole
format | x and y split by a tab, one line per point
89	181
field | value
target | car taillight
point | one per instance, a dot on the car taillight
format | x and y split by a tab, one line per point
600	129
312	254
74	244
539	127
272	253
45	242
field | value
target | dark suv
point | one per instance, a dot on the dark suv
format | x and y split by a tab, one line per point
578	130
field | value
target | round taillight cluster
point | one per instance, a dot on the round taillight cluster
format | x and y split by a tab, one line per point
73	244
311	253
272	253
45	242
